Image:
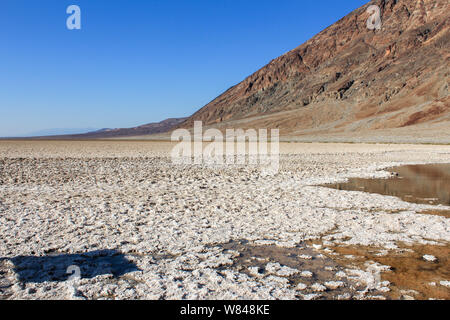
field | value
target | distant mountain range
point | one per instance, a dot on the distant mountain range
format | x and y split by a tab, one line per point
59	131
146	129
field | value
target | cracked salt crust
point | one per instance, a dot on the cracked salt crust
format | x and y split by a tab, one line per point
429	258
318	287
78	197
280	270
301	286
306	274
334	284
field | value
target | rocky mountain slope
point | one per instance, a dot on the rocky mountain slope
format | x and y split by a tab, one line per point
349	78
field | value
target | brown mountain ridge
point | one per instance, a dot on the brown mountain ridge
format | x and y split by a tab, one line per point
349	79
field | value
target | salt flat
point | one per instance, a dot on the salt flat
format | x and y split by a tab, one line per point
141	227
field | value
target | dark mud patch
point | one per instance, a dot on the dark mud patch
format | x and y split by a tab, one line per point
324	269
423	184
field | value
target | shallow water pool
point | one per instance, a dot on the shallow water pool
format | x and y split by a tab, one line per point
424	184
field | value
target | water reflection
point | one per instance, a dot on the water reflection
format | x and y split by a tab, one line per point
424	184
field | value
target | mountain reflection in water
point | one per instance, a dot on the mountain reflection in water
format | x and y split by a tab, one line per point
424	184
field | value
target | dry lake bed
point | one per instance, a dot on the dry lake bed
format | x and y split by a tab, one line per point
119	220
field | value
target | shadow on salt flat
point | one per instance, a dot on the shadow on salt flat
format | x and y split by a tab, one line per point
54	267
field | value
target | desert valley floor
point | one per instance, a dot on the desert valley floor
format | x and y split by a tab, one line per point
140	227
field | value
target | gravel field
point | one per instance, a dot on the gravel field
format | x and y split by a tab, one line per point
140	227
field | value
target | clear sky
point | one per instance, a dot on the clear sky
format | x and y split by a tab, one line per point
136	61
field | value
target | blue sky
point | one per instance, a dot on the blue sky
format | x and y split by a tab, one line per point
135	62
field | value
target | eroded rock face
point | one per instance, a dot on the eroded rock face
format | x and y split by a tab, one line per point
351	78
